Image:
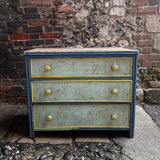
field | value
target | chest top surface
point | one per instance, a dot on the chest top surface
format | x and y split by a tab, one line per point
50	51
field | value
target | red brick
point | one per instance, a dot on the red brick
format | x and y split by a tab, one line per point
142	57
13	94
5	89
137	37
38	23
11	100
154	57
49	35
147	9
33	2
15	37
132	10
7	82
148	36
145	43
65	9
46	2
147	64
147	50
139	2
2	95
21	100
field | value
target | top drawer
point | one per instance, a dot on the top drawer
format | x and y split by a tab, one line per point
81	67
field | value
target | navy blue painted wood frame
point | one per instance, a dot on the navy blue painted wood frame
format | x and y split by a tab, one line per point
87	54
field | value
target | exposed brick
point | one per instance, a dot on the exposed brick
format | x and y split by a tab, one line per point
13	94
15	37
154	57
142	57
7	64
7	82
30	10
148	36
2	25
7	31
46	2
147	9
49	41
17	51
139	2
132	10
18	43
5	88
4	37
156	64
65	9
34	36
57	2
38	23
145	43
32	29
31	3
11	100
147	50
52	9
18	30
17	23
31	16
57	22
50	35
21	100
17	88
153	2
60	29
34	43
48	29
59	15
2	95
20	65
18	57
137	37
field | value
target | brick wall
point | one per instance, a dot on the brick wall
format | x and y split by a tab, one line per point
27	24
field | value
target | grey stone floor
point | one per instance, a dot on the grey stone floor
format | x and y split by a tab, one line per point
145	144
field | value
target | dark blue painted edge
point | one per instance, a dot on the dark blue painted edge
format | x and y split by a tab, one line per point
90	55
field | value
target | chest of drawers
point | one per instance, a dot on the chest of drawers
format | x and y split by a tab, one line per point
81	89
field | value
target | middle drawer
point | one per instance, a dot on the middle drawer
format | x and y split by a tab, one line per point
81	91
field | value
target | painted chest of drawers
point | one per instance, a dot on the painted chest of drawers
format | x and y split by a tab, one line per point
81	89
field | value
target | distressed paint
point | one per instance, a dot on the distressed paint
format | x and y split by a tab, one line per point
81	91
81	67
76	53
81	116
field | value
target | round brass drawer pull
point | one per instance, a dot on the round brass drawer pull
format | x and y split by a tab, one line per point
47	91
47	68
114	91
49	118
115	67
114	117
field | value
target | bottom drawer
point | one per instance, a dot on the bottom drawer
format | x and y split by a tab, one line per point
67	117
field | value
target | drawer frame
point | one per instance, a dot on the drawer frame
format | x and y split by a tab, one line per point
82	75
86	53
84	81
79	127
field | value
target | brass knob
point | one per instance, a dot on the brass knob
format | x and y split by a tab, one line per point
47	68
49	118
114	91
115	67
114	117
47	91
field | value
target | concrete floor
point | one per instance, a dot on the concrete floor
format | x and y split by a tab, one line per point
145	144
